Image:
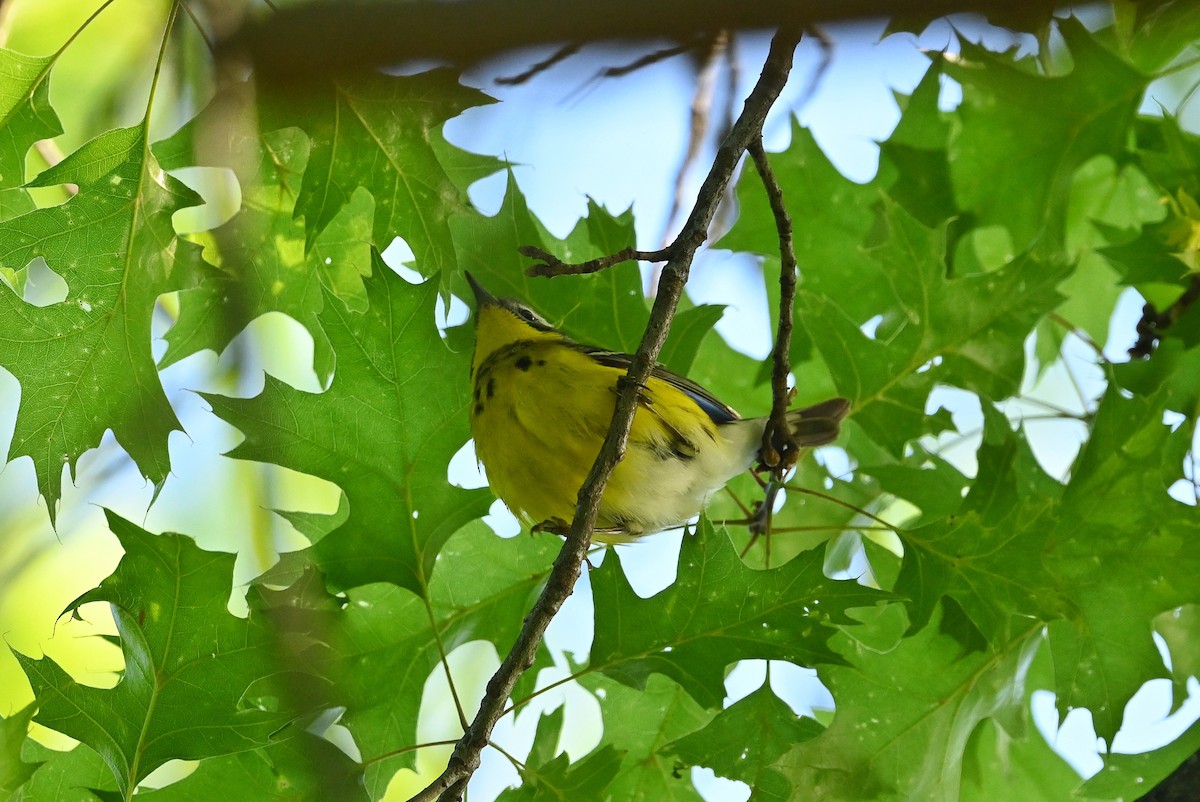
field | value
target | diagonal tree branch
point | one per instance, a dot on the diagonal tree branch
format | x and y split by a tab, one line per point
748	128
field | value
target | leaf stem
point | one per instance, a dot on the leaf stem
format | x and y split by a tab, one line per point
158	65
71	39
404	749
442	657
212	48
818	494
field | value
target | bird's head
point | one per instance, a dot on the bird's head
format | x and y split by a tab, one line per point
502	321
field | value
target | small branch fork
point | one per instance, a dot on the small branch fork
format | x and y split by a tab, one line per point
451	784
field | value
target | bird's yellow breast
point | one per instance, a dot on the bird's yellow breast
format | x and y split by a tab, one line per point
540	410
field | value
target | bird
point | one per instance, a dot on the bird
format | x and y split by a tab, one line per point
542	403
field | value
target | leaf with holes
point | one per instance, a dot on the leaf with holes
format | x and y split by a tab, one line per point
258	260
1104	649
198	681
550	777
381	635
966	332
384	431
904	716
745	740
1009	173
684	632
637	723
382	133
85	363
25	112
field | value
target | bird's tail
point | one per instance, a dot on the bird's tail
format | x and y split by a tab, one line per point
818	424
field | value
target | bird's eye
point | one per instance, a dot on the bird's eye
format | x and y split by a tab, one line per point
527	314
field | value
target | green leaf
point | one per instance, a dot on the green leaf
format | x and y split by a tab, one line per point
988	555
96	158
377	132
1010	173
387	637
967	332
829	224
1103	652
913	162
384	431
717	612
1025	767
78	775
688	330
546	738
85	363
302	768
25	112
1162	32
1174	369
638	724
732	376
605	309
1104	200
1178	628
260	261
561	779
926	480
13	730
1168	154
904	717
545	777
1130	776
745	740
198	681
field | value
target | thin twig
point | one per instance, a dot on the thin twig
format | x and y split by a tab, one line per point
657	57
212	47
818	494
745	510
779	447
550	265
443	658
563	53
701	116
405	749
1083	336
567	566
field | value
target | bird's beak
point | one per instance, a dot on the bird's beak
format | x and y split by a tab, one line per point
482	296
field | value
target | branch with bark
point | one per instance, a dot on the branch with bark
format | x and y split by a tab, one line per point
465	759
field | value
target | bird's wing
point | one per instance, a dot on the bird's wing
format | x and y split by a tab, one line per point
718	410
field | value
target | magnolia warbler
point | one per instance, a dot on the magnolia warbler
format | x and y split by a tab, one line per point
542	405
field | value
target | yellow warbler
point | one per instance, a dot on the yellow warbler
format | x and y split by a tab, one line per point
542	405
